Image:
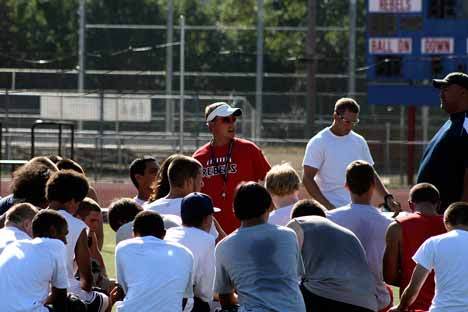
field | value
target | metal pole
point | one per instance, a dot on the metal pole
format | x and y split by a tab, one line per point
181	99
387	165
425	122
82	47
169	66
352	49
259	75
311	99
402	137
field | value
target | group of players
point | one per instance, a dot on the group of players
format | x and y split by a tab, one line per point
224	230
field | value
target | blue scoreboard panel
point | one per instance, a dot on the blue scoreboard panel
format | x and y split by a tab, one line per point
409	42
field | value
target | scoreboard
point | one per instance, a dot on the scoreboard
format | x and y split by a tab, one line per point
409	42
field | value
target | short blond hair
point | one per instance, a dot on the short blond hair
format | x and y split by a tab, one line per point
282	180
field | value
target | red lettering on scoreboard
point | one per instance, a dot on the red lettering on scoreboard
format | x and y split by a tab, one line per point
395	6
437	45
390	45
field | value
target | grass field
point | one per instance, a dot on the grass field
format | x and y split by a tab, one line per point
109	249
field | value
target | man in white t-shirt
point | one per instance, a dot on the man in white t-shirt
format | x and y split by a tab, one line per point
143	172
446	254
328	154
367	223
18	224
65	190
153	274
282	182
28	268
197	217
185	177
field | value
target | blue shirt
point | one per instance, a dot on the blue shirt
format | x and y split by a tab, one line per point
446	158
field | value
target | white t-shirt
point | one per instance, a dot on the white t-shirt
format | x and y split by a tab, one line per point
171	206
331	154
75	227
202	246
154	274
370	226
27	268
446	254
165	206
126	231
280	216
11	234
140	202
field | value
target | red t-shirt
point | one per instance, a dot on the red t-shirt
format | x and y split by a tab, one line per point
415	229
247	163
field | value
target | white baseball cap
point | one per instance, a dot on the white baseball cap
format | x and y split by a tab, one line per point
223	110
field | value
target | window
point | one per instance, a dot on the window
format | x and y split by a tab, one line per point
442	9
436	66
382	24
389	66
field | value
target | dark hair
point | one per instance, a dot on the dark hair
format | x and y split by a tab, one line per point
193	221
122	211
86	206
69	164
346	104
20	212
181	169
66	185
44	220
149	223
359	177
138	166
424	192
29	183
308	207
457	214
251	200
162	180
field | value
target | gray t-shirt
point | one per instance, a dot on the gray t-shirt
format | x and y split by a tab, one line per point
262	263
370	226
335	262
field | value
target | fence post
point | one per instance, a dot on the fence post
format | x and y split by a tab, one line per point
387	148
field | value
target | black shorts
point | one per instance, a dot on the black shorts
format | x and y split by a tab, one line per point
320	304
98	303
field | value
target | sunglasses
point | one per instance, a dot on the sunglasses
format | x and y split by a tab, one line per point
347	121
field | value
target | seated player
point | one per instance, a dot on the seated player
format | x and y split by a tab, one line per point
282	182
153	274
143	172
90	213
367	223
18	224
261	262
29	268
406	234
446	254
337	277
197	217
65	190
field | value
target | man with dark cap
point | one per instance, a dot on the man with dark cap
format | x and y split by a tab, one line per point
227	161
197	212
445	162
